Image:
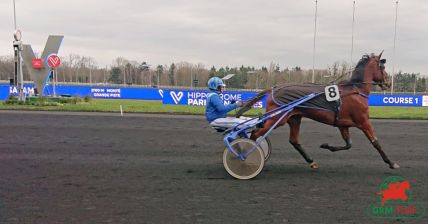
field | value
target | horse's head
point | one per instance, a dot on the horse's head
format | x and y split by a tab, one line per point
376	68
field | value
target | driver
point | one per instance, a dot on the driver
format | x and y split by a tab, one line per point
216	111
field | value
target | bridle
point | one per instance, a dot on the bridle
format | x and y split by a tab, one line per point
381	66
354	85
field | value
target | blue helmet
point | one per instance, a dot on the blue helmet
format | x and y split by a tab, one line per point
214	83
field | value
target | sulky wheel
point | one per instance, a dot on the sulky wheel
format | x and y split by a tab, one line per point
244	169
266	147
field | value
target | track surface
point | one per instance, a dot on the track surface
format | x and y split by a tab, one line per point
103	168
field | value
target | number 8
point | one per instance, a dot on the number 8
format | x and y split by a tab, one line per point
331	92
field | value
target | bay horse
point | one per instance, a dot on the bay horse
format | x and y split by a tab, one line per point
354	109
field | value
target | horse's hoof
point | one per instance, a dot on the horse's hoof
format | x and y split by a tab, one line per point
314	165
394	166
325	146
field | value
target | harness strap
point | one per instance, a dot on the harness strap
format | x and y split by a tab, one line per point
336	116
354	91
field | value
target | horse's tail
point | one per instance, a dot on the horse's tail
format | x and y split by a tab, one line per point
247	105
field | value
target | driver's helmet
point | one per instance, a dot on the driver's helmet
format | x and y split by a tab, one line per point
214	83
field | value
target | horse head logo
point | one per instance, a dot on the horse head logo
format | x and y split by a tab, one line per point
397	190
176	96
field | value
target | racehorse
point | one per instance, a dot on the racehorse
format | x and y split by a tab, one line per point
353	112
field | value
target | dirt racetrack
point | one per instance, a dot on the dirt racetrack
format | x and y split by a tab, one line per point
103	168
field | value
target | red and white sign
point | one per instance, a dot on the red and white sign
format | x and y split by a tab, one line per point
425	101
53	61
37	63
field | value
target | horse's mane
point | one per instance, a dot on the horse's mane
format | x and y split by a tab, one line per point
358	73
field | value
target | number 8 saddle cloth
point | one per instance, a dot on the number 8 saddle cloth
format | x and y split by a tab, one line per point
287	93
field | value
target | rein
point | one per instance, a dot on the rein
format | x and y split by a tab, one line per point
380	67
358	83
356	90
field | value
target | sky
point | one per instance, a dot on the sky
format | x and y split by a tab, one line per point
225	32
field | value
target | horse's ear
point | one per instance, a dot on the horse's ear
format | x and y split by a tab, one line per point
380	55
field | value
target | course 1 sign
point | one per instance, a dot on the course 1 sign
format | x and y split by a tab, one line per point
397	100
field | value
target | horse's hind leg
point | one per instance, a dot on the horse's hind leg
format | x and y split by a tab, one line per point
294	123
344	131
368	130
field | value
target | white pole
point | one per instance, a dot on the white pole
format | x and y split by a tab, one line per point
54	81
121	111
20	74
14	14
352	39
393	54
315	35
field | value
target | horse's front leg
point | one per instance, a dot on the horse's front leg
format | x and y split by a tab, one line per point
368	130
344	131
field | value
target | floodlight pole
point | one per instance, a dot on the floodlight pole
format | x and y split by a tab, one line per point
352	39
14	14
393	54
315	35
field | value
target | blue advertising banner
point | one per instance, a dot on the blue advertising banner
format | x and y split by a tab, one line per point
6	90
199	97
396	100
94	92
190	97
